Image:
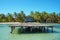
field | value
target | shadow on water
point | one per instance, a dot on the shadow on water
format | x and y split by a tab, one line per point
35	31
26	31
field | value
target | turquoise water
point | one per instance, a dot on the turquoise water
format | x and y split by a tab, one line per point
6	35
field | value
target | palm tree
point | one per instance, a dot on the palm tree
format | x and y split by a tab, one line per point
48	20
16	17
22	16
44	16
37	17
31	14
10	17
2	18
58	19
53	17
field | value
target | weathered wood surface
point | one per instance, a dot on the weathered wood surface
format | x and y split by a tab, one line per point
31	24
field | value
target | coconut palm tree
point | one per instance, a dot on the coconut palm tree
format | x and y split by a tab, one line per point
37	17
22	16
53	17
44	16
9	17
2	18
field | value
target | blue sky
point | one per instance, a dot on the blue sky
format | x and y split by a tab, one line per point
12	6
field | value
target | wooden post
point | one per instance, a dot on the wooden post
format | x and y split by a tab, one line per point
47	29
12	28
39	29
21	29
31	29
44	29
52	28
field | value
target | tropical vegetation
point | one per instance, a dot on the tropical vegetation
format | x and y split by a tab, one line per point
42	17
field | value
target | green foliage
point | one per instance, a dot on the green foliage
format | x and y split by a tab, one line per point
37	16
44	16
9	17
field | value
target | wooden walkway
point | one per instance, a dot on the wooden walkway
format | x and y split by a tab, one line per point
31	25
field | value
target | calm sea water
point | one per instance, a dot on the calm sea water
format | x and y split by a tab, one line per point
6	35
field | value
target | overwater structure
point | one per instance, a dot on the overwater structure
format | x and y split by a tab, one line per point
31	25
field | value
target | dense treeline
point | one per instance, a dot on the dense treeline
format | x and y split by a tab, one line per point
42	17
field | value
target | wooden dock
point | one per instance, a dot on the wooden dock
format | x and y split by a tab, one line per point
31	25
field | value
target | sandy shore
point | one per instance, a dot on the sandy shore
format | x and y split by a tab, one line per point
24	22
9	22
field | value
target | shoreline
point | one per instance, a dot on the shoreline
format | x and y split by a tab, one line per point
24	22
